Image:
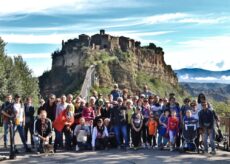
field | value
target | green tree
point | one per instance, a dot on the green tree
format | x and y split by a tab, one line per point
16	77
3	80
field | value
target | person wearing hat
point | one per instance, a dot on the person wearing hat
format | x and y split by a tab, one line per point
100	136
115	93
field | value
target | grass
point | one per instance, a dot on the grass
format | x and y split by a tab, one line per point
159	87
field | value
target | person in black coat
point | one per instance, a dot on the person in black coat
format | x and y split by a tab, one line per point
29	119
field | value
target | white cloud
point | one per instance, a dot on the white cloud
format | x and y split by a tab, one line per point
209	79
184	77
164	18
204	20
38	69
57	38
36	39
34	63
9	7
225	78
205	78
33	55
201	53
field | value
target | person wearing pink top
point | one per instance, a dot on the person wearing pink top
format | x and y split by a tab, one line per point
88	114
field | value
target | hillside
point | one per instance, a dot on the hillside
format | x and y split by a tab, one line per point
215	91
203	76
118	60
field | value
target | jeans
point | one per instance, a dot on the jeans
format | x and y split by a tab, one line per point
172	136
159	141
58	139
20	130
6	131
211	134
123	130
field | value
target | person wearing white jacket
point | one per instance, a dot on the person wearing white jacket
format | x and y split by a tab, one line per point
100	136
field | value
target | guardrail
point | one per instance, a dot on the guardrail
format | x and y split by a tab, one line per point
88	82
225	127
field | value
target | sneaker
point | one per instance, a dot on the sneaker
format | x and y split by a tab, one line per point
134	148
213	152
206	153
77	148
171	148
143	145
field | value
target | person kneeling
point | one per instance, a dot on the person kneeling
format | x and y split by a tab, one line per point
100	136
82	135
42	132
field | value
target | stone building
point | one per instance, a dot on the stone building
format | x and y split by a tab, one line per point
84	40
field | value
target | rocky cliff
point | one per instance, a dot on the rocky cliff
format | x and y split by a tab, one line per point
117	59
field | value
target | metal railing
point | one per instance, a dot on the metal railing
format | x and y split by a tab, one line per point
88	82
225	127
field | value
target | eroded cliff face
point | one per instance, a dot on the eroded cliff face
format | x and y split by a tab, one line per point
140	63
126	67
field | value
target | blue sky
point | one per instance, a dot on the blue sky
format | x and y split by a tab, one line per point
193	33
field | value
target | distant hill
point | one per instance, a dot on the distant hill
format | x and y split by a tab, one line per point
216	91
203	76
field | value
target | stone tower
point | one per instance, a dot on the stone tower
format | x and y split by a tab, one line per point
102	32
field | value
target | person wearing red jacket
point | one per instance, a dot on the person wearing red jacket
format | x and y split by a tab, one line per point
172	129
63	123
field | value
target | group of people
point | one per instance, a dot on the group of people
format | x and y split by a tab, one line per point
118	121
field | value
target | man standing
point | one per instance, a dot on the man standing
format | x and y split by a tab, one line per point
207	124
19	120
119	122
7	113
29	119
50	107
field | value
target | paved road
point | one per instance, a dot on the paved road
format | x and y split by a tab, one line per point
119	156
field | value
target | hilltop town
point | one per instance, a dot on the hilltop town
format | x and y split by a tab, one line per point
126	59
